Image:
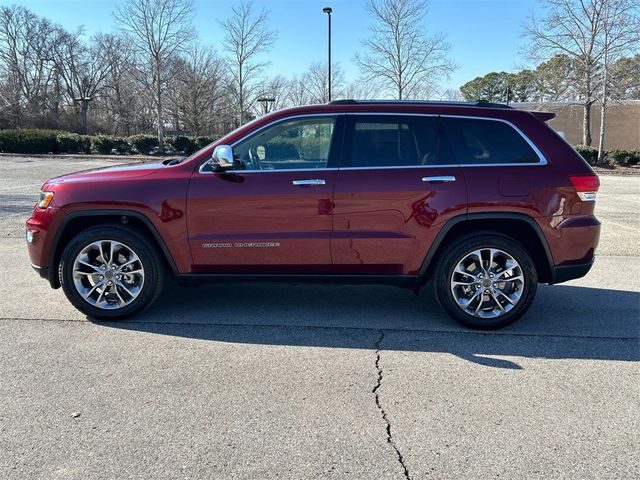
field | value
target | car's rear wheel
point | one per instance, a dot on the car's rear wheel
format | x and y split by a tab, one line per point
110	272
486	281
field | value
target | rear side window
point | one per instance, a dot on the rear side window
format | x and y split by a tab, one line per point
392	141
480	141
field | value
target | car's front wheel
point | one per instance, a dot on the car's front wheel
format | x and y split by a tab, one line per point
485	281
110	272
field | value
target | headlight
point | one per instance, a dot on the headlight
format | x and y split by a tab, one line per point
45	199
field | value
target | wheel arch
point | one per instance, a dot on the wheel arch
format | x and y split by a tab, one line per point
517	226
77	221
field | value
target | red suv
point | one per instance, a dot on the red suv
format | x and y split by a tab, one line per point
484	200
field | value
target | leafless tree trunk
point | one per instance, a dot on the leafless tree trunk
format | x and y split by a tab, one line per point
620	35
158	29
197	89
246	37
25	51
317	84
573	28
81	68
399	54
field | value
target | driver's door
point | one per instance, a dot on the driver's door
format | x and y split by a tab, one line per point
272	213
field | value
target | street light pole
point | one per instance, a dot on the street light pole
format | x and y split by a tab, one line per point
328	11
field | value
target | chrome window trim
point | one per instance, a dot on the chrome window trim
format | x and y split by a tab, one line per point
542	159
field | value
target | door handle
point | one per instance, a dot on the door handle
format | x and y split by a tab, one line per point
442	179
308	183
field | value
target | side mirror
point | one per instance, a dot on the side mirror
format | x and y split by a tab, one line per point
222	158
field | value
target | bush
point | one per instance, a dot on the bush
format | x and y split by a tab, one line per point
29	141
186	145
121	146
623	157
73	143
590	154
202	142
143	143
102	144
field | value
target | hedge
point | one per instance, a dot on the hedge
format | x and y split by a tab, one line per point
611	157
53	141
143	143
29	141
182	144
73	143
590	154
623	157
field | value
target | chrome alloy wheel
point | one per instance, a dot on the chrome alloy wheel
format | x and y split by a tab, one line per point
108	274
487	283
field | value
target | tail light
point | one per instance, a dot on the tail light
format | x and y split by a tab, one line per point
586	186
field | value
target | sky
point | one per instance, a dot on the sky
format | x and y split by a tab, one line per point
485	35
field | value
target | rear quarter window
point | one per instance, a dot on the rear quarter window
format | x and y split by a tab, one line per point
487	142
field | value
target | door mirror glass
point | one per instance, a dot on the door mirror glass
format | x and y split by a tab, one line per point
222	158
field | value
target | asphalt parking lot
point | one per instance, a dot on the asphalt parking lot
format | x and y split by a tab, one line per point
258	381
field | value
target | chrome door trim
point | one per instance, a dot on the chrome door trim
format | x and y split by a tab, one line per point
308	183
439	179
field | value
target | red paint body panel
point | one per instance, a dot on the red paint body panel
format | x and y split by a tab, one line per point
157	192
373	221
385	220
290	225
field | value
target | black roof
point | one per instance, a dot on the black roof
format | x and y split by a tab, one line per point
420	102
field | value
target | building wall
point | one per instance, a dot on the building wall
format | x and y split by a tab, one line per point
622	123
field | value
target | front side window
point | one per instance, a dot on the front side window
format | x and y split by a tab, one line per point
393	141
296	144
482	141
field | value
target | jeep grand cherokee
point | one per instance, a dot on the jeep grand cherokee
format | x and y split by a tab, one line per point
483	200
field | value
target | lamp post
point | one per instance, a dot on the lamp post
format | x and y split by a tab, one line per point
84	106
328	11
265	103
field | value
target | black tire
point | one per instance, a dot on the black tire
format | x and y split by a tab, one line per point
154	271
459	249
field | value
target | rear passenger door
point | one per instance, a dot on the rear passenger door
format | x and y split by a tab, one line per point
396	185
504	170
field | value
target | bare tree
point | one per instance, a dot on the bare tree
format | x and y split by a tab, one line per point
573	28
120	98
278	88
620	36
298	93
81	67
158	30
246	37
198	83
452	95
25	51
361	89
317	83
399	54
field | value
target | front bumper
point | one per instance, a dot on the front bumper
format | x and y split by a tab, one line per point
42	271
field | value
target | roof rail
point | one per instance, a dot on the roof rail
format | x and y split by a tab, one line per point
421	102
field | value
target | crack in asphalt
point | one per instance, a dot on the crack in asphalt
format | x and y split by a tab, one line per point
377	386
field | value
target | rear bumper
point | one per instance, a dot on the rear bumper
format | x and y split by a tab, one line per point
564	273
